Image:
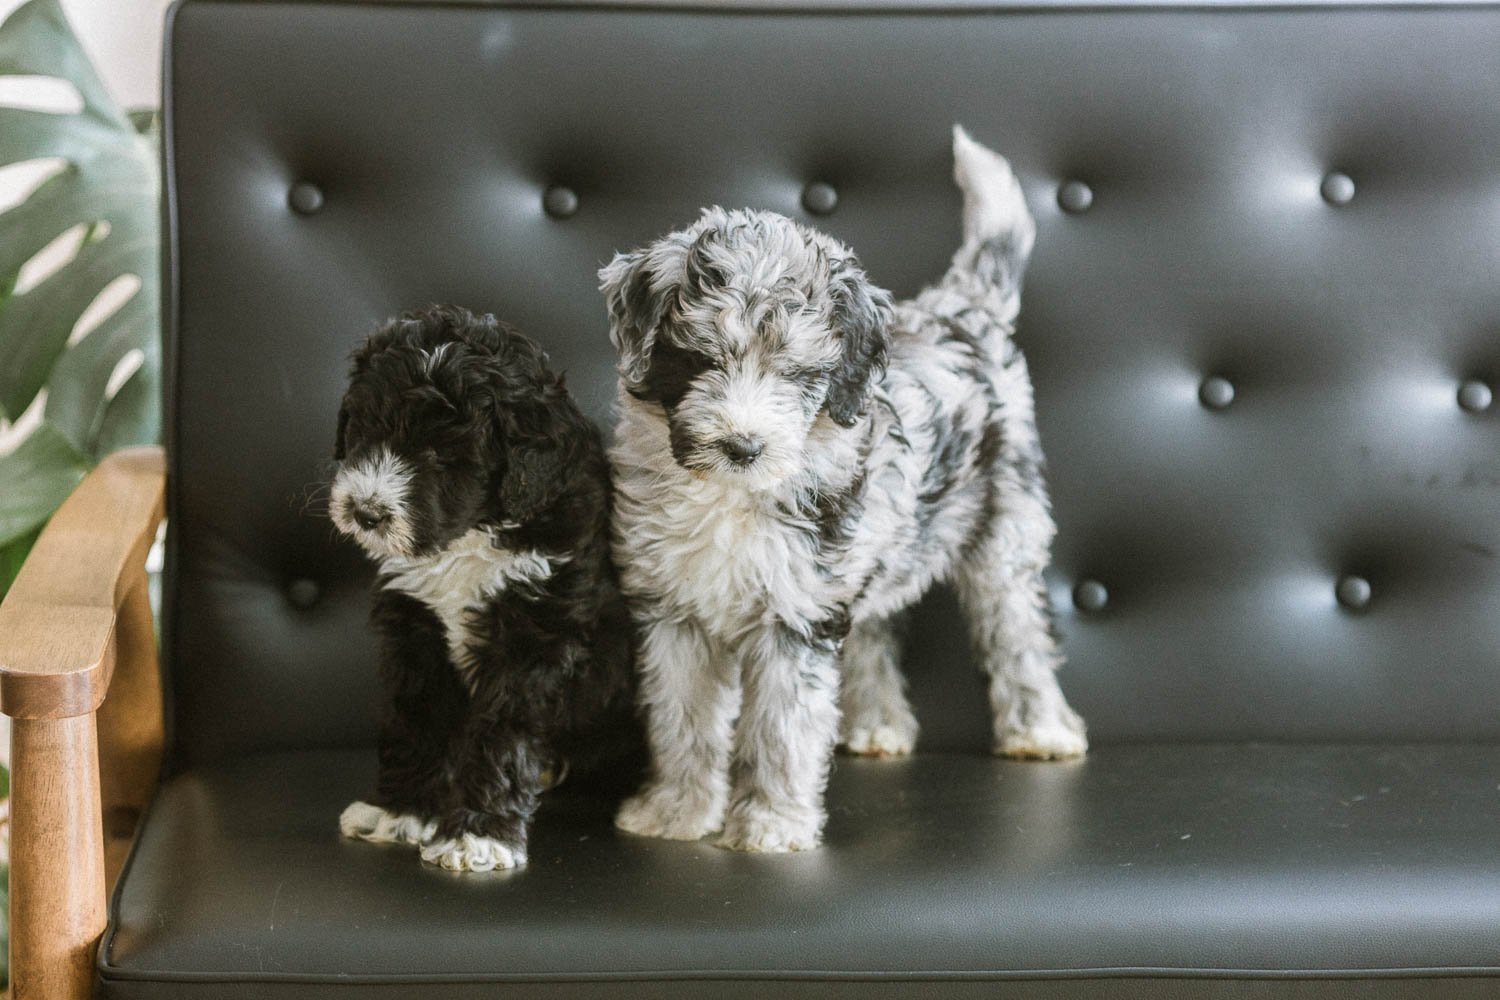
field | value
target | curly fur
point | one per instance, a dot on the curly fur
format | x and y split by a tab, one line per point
798	459
482	492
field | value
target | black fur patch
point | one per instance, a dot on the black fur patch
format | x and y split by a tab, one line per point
672	371
862	312
825	636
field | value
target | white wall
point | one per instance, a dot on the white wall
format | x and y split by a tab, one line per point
123	37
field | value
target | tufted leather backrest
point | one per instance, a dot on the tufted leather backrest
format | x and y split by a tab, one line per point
1263	316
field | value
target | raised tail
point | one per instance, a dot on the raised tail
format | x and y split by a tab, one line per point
998	230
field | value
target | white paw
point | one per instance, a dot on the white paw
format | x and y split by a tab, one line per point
661	812
756	827
362	821
1056	738
471	853
881	739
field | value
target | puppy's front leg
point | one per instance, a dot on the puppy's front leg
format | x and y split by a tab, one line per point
785	738
496	790
690	698
425	704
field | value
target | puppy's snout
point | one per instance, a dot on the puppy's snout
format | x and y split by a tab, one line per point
369	518
741	450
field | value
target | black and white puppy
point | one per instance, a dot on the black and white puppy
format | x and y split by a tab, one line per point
798	459
482	492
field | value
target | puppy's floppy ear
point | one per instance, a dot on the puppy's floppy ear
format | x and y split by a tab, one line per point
861	317
338	439
359	364
537	473
539	435
635	312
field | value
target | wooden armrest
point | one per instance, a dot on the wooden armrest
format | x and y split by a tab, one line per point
79	603
57	623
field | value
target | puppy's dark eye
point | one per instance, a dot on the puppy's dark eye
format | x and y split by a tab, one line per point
672	372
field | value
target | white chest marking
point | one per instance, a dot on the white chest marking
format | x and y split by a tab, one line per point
457	581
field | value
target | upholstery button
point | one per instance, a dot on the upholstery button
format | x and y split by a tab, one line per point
305	198
302	593
1075	197
1216	392
1338	189
1475	396
1090	595
560	202
1353	592
820	198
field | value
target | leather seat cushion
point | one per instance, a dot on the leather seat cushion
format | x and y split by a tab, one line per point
1168	870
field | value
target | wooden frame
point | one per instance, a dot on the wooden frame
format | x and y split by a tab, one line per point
79	679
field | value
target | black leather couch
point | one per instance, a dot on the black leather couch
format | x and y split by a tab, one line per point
1263	319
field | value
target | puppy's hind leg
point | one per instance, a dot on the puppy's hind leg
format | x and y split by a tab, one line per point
1001	589
876	719
1000	578
690	698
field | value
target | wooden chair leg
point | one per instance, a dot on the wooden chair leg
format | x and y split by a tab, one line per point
57	906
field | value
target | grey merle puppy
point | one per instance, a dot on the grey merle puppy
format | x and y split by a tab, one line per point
799	458
482	492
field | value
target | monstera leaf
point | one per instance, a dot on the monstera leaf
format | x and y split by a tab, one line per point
96	211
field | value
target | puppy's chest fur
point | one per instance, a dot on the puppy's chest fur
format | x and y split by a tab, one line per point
730	556
456	584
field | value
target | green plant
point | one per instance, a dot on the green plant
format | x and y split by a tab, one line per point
96	210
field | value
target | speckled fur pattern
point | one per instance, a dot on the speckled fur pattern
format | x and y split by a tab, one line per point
799	458
481	491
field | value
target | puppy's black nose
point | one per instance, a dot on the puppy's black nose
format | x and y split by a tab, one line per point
369	519
741	450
